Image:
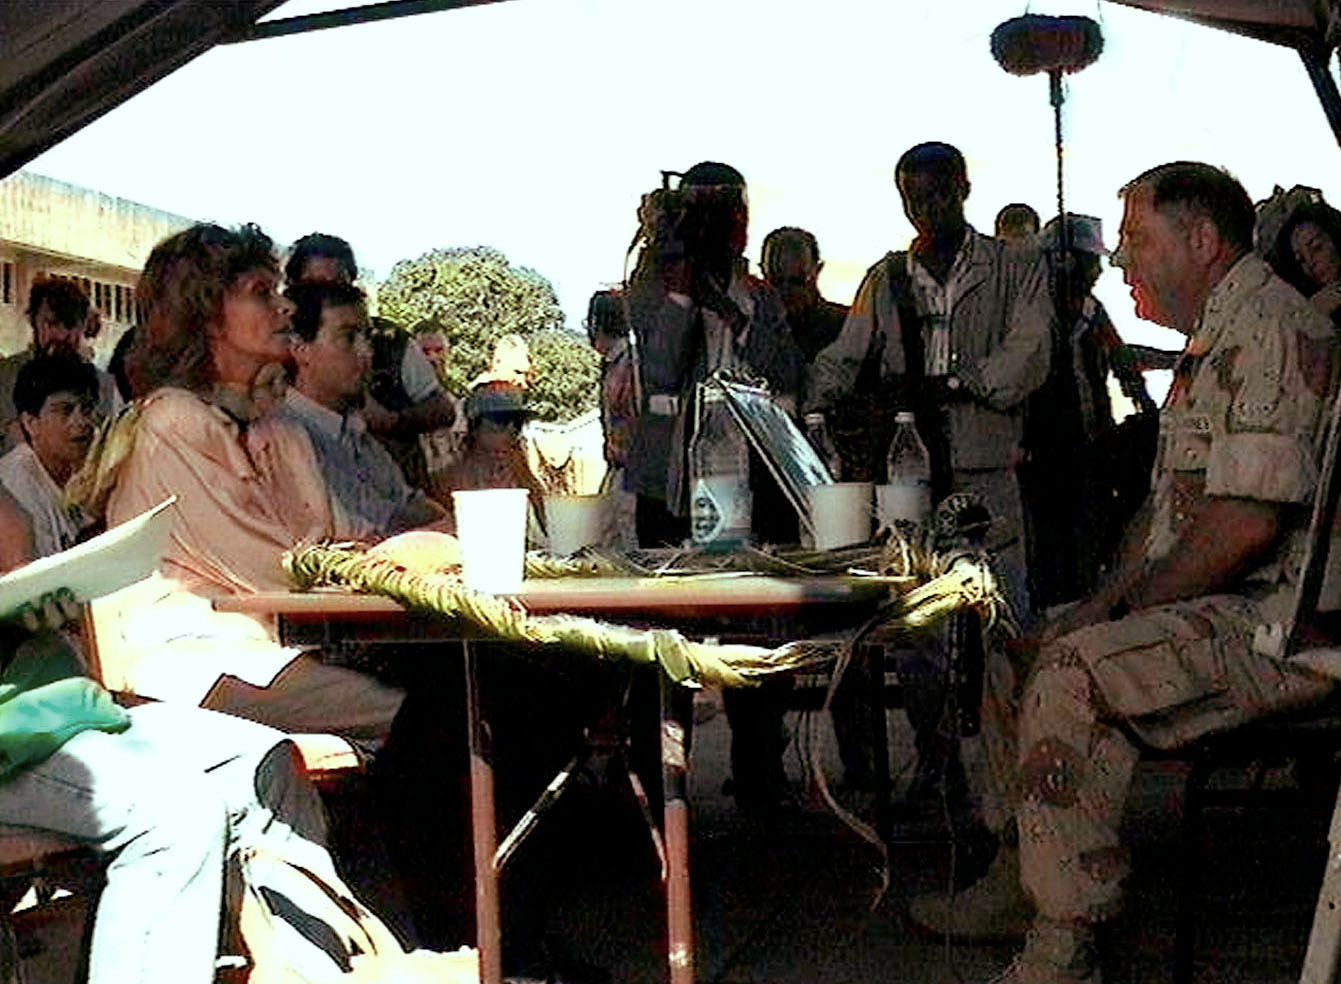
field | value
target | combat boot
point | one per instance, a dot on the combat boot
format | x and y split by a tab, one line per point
993	908
1054	953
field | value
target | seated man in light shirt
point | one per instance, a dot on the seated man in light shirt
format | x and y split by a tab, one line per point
407	397
56	397
332	357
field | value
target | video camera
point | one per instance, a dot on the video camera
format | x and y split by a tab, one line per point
690	227
661	220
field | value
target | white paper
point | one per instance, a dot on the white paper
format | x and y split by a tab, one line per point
110	561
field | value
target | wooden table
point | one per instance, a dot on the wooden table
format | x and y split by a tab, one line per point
728	605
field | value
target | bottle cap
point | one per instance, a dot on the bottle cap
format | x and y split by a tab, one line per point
904	417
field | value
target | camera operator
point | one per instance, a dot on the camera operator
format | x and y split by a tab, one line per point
695	310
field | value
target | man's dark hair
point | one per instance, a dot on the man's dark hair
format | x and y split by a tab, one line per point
67	301
710	173
931	156
44	375
1205	190
782	238
116	364
316	244
1017	215
606	315
427	326
311	299
713	201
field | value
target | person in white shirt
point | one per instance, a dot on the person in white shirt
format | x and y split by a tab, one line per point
56	397
62	321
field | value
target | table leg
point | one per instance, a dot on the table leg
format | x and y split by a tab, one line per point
484	832
874	657
674	773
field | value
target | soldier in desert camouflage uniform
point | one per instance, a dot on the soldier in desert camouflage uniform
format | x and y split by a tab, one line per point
1174	646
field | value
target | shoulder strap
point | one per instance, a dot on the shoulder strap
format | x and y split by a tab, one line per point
907	392
900	290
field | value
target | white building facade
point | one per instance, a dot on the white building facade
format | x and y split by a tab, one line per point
50	228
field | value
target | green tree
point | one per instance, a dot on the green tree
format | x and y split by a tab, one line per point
566	375
478	296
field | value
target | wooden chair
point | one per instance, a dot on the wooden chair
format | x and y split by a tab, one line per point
45	861
1256	751
1312	733
326	757
1324	944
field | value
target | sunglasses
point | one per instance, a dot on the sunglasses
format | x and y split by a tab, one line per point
503	419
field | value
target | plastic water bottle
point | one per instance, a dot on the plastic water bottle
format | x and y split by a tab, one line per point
909	491
817	433
719	463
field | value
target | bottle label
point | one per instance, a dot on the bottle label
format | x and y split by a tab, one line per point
719	510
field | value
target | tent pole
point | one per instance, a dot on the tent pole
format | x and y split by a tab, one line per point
344	17
1316	62
1058	272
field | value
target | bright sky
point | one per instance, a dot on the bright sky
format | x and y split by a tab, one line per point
534	126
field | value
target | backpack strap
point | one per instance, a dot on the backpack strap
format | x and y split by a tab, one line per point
910	321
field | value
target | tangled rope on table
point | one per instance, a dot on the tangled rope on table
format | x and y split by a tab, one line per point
589	563
684	661
952	574
956	581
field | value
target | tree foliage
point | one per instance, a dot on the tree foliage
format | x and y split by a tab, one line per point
478	296
567	374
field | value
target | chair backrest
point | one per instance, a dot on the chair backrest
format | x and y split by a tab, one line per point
1320	531
104	646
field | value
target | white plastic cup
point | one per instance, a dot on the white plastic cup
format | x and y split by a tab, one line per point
841	513
491	525
574	521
